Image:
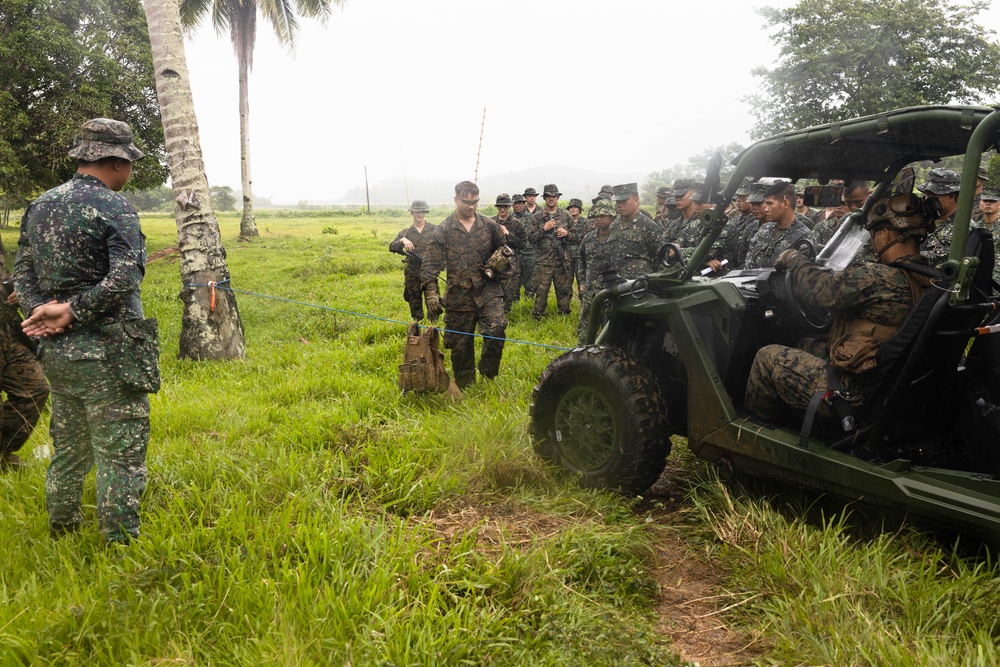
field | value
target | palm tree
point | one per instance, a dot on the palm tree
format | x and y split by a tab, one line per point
211	327
240	16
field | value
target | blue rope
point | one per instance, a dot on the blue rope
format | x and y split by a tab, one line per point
219	285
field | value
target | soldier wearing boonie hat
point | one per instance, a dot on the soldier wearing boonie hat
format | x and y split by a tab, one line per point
595	254
662	212
412	243
550	231
530	195
942	186
517	237
580	227
526	263
74	239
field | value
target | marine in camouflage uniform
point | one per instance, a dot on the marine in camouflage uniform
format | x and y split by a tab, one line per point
579	226
81	245
870	302
526	258
662	215
596	255
21	379
748	230
942	185
418	234
635	239
517	238
471	299
989	201
550	232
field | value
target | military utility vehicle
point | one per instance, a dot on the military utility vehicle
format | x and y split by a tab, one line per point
674	355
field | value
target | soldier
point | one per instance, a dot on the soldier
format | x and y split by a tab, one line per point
803	212
461	245
755	199
781	231
517	237
869	301
989	208
605	192
79	265
981	179
635	237
412	243
580	226
942	186
530	195
662	213
595	255
21	379
690	234
687	225
526	258
550	232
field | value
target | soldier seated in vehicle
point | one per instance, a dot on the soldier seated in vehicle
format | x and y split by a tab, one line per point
869	302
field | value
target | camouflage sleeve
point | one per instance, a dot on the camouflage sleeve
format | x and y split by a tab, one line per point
25	278
517	238
397	245
126	266
834	291
535	230
433	262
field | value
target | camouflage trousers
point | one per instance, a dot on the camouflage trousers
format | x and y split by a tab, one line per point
490	321
556	276
783	377
586	305
21	378
527	265
413	294
511	286
95	420
576	273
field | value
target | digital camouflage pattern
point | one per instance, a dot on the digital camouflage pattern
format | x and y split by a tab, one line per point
471	299
734	249
825	229
938	243
81	243
517	239
769	242
873	294
994	230
596	255
413	290
526	258
634	250
104	137
552	259
21	379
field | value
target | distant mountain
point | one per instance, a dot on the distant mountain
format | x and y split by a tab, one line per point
572	182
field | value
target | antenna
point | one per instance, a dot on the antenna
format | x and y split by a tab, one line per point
480	149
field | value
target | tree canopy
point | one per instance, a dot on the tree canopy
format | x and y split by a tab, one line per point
847	58
63	62
696	167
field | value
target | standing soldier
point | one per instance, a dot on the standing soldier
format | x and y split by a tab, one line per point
662	214
526	258
942	186
605	192
80	261
516	236
550	232
530	195
636	238
412	243
461	246
21	379
595	256
579	227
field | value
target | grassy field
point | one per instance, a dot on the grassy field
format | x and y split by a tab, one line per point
300	511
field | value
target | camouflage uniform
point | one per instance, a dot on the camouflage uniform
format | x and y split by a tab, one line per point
634	248
526	258
825	229
872	297
413	291
81	243
21	379
471	300
596	255
552	260
995	233
733	249
938	243
517	239
767	244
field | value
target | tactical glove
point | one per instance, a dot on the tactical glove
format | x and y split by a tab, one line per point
434	308
782	262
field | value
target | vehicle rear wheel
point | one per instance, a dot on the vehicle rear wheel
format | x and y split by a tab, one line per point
600	414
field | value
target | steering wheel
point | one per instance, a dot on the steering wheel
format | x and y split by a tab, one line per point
780	281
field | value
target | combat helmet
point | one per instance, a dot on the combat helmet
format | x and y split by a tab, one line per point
903	212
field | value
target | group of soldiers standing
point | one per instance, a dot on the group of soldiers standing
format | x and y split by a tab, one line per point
534	247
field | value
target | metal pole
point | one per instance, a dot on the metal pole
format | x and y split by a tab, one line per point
368	199
479	150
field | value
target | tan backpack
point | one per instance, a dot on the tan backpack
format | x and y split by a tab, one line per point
423	368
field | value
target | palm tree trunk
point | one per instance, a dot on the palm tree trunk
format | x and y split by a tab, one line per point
210	327
248	224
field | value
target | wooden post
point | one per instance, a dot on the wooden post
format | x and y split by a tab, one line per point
368	199
479	150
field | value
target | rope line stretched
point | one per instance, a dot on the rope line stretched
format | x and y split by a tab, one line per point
222	285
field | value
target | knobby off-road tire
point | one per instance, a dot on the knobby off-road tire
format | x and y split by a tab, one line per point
600	414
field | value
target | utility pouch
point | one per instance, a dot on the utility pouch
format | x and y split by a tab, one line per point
134	353
423	367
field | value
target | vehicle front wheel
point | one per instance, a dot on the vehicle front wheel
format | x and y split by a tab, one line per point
600	414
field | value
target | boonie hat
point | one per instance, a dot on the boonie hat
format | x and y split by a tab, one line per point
606	191
941	182
550	190
518	199
575	202
624	191
664	191
530	192
603	207
503	199
419	206
105	137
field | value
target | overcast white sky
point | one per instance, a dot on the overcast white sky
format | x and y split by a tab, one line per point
399	85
